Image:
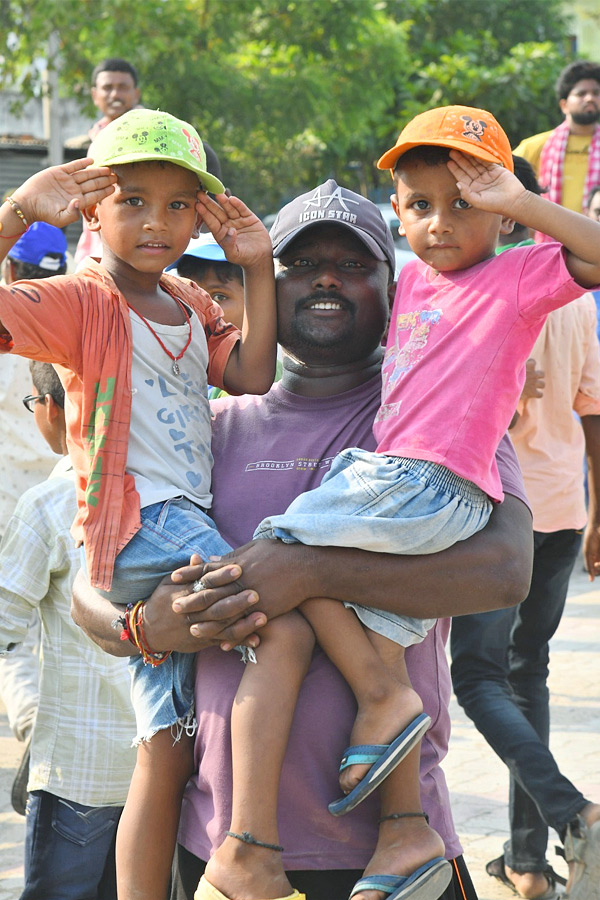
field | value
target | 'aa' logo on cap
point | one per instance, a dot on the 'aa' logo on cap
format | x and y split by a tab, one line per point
322	201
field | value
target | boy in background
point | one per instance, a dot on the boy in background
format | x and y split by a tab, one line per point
25	460
205	262
81	754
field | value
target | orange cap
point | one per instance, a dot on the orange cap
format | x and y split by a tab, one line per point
473	131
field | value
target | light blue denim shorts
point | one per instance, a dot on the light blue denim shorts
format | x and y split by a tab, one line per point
163	696
386	504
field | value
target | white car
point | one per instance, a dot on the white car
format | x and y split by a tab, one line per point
401	247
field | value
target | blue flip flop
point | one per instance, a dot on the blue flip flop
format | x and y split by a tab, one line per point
427	882
384	757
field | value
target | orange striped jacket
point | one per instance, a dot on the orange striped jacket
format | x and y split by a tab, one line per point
80	323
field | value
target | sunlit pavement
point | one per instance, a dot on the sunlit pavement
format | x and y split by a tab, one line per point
477	779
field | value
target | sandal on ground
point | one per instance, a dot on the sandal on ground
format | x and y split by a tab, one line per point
496	869
207	891
582	848
428	882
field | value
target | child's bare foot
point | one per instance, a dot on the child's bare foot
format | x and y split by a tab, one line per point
247	872
382	715
403	846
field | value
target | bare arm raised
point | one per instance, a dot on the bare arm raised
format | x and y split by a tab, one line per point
55	195
246	242
493	188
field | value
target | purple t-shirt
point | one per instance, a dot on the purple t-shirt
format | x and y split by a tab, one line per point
267	450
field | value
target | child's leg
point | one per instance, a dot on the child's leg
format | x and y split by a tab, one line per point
406	841
148	826
163	698
171	532
261	719
375	670
376	673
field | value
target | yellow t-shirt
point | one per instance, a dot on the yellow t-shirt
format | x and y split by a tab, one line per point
574	169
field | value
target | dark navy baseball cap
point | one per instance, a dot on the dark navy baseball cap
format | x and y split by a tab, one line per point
331	204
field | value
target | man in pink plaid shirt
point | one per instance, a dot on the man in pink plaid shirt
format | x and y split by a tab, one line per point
567	159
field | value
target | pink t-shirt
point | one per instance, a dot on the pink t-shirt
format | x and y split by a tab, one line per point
454	363
267	450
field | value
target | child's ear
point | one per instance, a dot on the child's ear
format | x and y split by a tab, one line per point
507	225
51	407
55	432
91	217
394	202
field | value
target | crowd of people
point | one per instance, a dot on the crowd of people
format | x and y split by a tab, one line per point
217	515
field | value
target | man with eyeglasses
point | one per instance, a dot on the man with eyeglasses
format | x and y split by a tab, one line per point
25	460
81	754
30	400
567	159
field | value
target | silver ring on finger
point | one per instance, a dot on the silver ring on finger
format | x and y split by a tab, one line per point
199	585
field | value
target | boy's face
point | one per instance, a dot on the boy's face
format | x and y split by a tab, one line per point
149	219
441	228
229	294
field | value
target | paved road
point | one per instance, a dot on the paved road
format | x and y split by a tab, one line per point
477	779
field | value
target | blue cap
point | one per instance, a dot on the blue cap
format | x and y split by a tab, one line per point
37	243
203	247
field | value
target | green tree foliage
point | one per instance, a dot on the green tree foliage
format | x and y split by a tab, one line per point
290	92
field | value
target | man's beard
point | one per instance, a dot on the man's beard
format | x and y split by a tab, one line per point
586	118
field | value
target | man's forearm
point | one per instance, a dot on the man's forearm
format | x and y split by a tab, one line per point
94	615
591	430
489	571
231	622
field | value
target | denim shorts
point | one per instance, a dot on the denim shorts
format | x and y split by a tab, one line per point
163	696
385	504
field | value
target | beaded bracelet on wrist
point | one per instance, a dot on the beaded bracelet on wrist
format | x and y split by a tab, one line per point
134	626
18	212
